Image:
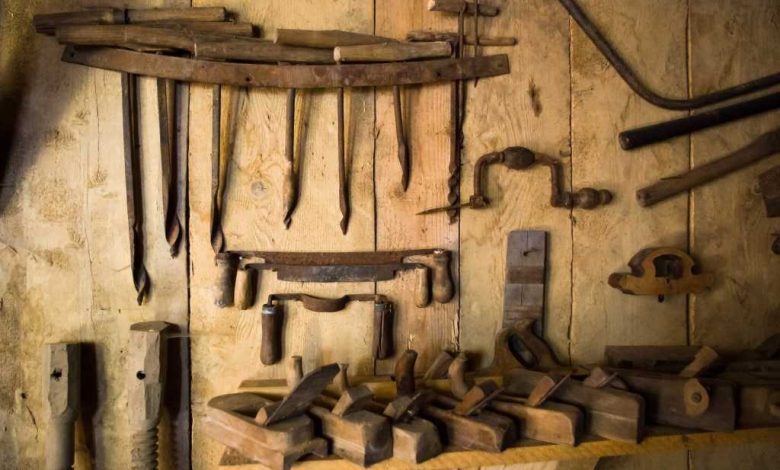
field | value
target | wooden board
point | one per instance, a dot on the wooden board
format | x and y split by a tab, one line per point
64	271
64	254
723	52
226	344
426	113
606	238
530	108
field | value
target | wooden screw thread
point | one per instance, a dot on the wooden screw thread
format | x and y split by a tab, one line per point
144	453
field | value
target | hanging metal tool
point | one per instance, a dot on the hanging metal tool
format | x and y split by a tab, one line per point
343	179
218	176
135	218
290	185
169	161
521	158
636	84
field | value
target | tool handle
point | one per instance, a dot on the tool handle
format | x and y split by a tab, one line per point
324	39
764	146
271	341
404	373
641	136
457	375
443	289
245	288
383	330
422	293
60	444
224	287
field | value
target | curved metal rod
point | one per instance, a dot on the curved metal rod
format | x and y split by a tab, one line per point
628	75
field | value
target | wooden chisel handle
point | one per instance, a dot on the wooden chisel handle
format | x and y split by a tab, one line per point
383	330
271	342
443	289
422	294
392	51
245	288
764	146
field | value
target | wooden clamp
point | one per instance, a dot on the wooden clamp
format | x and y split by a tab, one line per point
661	271
146	358
613	414
62	387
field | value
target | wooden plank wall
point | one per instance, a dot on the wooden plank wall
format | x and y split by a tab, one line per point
64	273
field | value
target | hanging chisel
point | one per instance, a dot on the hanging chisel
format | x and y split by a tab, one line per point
135	218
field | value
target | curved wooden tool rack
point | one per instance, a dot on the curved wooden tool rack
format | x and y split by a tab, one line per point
288	76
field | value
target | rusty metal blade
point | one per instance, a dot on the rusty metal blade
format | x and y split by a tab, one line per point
300	397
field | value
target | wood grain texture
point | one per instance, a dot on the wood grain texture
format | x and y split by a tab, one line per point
723	52
426	115
730	230
66	274
653	35
528	108
226	344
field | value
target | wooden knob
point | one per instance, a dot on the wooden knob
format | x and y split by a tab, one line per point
443	289
422	293
294	372
245	288
271	341
224	286
404	373
457	375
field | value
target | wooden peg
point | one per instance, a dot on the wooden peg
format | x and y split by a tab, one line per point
62	387
146	381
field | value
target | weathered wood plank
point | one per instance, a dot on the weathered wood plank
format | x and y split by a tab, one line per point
226	348
529	108
729	43
652	34
426	118
66	228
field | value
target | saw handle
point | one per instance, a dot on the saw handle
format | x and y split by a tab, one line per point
383	330
245	288
422	293
224	289
443	289
271	342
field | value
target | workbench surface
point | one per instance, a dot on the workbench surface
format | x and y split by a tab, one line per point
64	253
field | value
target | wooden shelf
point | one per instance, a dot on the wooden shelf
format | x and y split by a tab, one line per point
535	452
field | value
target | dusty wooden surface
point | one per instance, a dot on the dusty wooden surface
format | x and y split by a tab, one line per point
64	270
